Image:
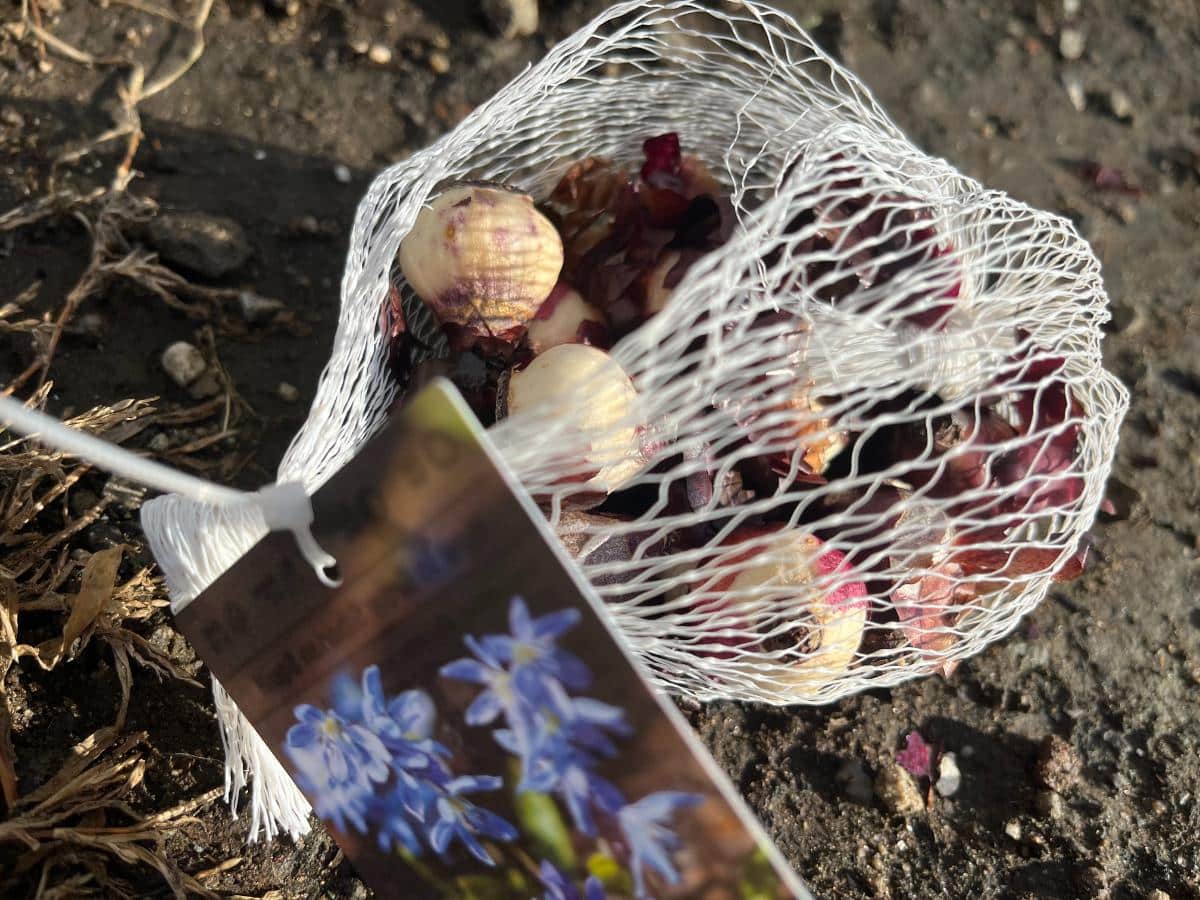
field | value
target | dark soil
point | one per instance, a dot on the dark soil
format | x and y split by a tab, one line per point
1110	663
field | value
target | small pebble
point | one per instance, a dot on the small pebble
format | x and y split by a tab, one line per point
359	46
439	62
949	777
1057	765
209	245
91	325
81	500
304	226
183	363
379	54
897	790
1075	92
511	18
1049	804
342	173
256	309
1013	829
159	442
1158	894
1071	43
287	393
102	536
1127	212
855	781
1120	104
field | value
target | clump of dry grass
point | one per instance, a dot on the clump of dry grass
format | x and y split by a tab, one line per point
81	832
80	821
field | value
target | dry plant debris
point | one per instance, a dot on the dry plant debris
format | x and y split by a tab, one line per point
82	820
82	832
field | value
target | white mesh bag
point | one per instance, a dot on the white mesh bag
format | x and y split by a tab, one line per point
938	341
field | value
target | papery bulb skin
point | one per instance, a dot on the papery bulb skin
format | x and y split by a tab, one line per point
484	260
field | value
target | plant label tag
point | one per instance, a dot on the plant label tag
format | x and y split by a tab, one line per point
459	712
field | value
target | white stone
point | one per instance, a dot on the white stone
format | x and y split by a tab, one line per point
949	777
183	363
1071	43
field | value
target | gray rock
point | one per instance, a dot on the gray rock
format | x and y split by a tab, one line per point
511	18
1013	829
306	225
91	326
81	500
102	536
208	245
183	363
256	309
287	392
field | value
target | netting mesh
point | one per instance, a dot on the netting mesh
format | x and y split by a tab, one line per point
870	428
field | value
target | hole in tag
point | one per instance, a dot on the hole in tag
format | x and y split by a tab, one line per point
330	574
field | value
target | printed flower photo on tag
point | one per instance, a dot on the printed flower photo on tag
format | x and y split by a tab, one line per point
457	713
373	765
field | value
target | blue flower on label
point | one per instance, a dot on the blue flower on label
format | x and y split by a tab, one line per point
568	737
532	644
455	817
560	763
651	842
584	791
505	692
559	887
347	695
338	762
485	669
404	723
396	823
432	562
